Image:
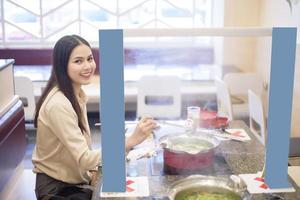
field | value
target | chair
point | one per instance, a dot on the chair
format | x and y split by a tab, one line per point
238	85
256	116
159	97
24	89
223	99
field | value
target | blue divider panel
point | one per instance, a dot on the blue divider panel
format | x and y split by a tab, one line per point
280	106
112	110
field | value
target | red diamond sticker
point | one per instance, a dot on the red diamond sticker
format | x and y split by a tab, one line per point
260	179
129	189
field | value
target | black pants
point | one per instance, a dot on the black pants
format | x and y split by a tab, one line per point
48	188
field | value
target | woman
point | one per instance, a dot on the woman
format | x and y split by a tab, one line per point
63	159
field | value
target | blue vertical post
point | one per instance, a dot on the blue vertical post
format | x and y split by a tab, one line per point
112	110
280	106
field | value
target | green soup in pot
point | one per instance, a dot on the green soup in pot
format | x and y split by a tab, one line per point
192	148
203	195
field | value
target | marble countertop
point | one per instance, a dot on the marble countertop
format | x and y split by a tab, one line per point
231	157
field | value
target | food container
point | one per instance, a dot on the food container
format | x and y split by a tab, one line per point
210	119
185	152
208	187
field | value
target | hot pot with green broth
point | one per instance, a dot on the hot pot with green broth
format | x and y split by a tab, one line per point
199	187
195	195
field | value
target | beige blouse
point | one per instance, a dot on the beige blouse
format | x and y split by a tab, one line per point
62	151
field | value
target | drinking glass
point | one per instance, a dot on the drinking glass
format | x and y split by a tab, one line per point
193	114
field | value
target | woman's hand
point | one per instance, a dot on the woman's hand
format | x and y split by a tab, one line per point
94	177
143	129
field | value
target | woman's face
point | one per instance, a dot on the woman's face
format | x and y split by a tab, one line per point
81	66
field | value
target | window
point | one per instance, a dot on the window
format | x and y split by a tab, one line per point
44	21
30	23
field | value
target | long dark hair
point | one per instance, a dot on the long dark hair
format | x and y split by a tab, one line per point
59	76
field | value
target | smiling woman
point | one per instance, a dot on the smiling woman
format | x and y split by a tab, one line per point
65	164
62	123
81	66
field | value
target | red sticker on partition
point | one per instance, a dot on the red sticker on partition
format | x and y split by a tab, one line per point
264	185
260	179
129	189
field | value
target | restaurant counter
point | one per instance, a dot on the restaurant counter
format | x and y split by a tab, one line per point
231	157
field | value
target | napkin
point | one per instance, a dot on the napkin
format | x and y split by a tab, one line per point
142	152
234	134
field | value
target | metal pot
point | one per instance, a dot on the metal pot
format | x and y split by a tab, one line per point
198	184
188	152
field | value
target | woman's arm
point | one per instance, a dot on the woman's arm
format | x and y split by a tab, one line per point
143	129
